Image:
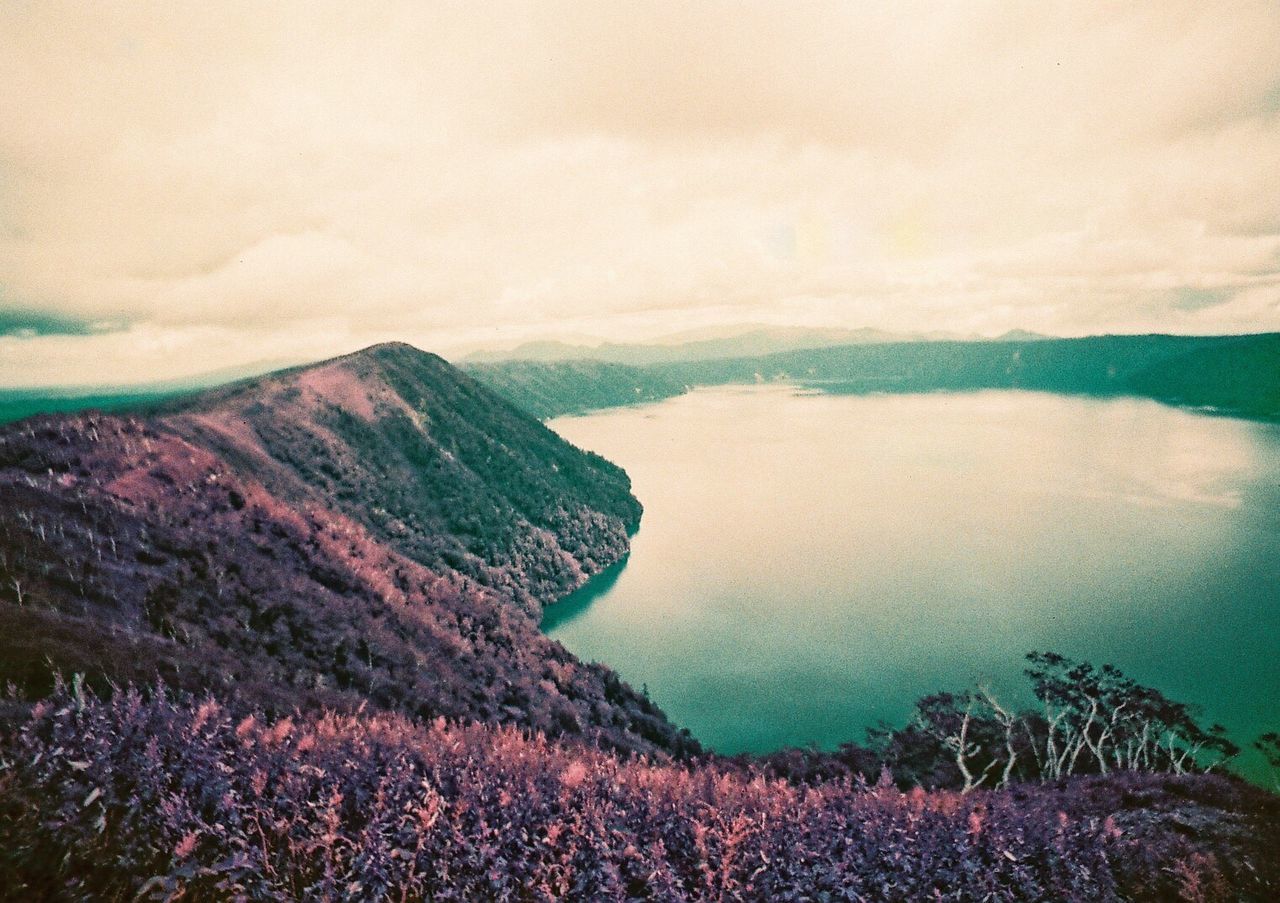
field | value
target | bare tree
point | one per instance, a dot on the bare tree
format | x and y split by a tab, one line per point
1009	721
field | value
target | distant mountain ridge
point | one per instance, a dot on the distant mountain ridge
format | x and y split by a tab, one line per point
376	529
18	403
749	340
1237	375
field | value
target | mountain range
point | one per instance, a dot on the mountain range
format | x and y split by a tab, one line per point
717	343
1237	375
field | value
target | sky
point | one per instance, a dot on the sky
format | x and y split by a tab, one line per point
186	187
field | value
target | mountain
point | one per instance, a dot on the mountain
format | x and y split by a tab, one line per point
1020	335
430	462
1235	375
542	350
18	403
1241	376
376	529
1231	374
706	344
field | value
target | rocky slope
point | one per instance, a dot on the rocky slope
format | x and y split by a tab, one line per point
374	529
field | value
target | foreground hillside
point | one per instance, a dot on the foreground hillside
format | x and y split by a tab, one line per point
164	799
378	529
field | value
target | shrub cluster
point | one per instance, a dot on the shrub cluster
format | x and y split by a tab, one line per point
158	796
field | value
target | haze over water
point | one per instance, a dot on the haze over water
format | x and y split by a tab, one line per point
810	564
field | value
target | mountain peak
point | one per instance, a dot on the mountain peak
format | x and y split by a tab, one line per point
391	426
356	382
375	527
383	353
384	350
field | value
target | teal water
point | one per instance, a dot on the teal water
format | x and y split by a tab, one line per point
808	565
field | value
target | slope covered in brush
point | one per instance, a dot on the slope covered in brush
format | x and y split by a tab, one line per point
378	528
428	460
183	798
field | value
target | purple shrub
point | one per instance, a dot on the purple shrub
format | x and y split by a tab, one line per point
163	796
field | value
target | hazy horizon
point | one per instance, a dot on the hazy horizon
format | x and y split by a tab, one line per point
186	189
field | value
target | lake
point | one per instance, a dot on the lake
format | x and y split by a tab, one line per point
809	564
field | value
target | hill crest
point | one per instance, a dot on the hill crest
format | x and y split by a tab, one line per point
377	527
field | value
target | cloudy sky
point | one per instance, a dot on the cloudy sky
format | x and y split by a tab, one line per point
185	187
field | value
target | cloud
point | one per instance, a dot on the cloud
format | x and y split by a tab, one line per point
1190	298
450	171
19	323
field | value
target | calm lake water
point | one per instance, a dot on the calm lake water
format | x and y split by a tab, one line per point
808	564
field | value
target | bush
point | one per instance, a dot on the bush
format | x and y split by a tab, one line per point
160	795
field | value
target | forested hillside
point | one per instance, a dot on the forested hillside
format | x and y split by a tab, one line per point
375	529
553	389
1232	374
1237	375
